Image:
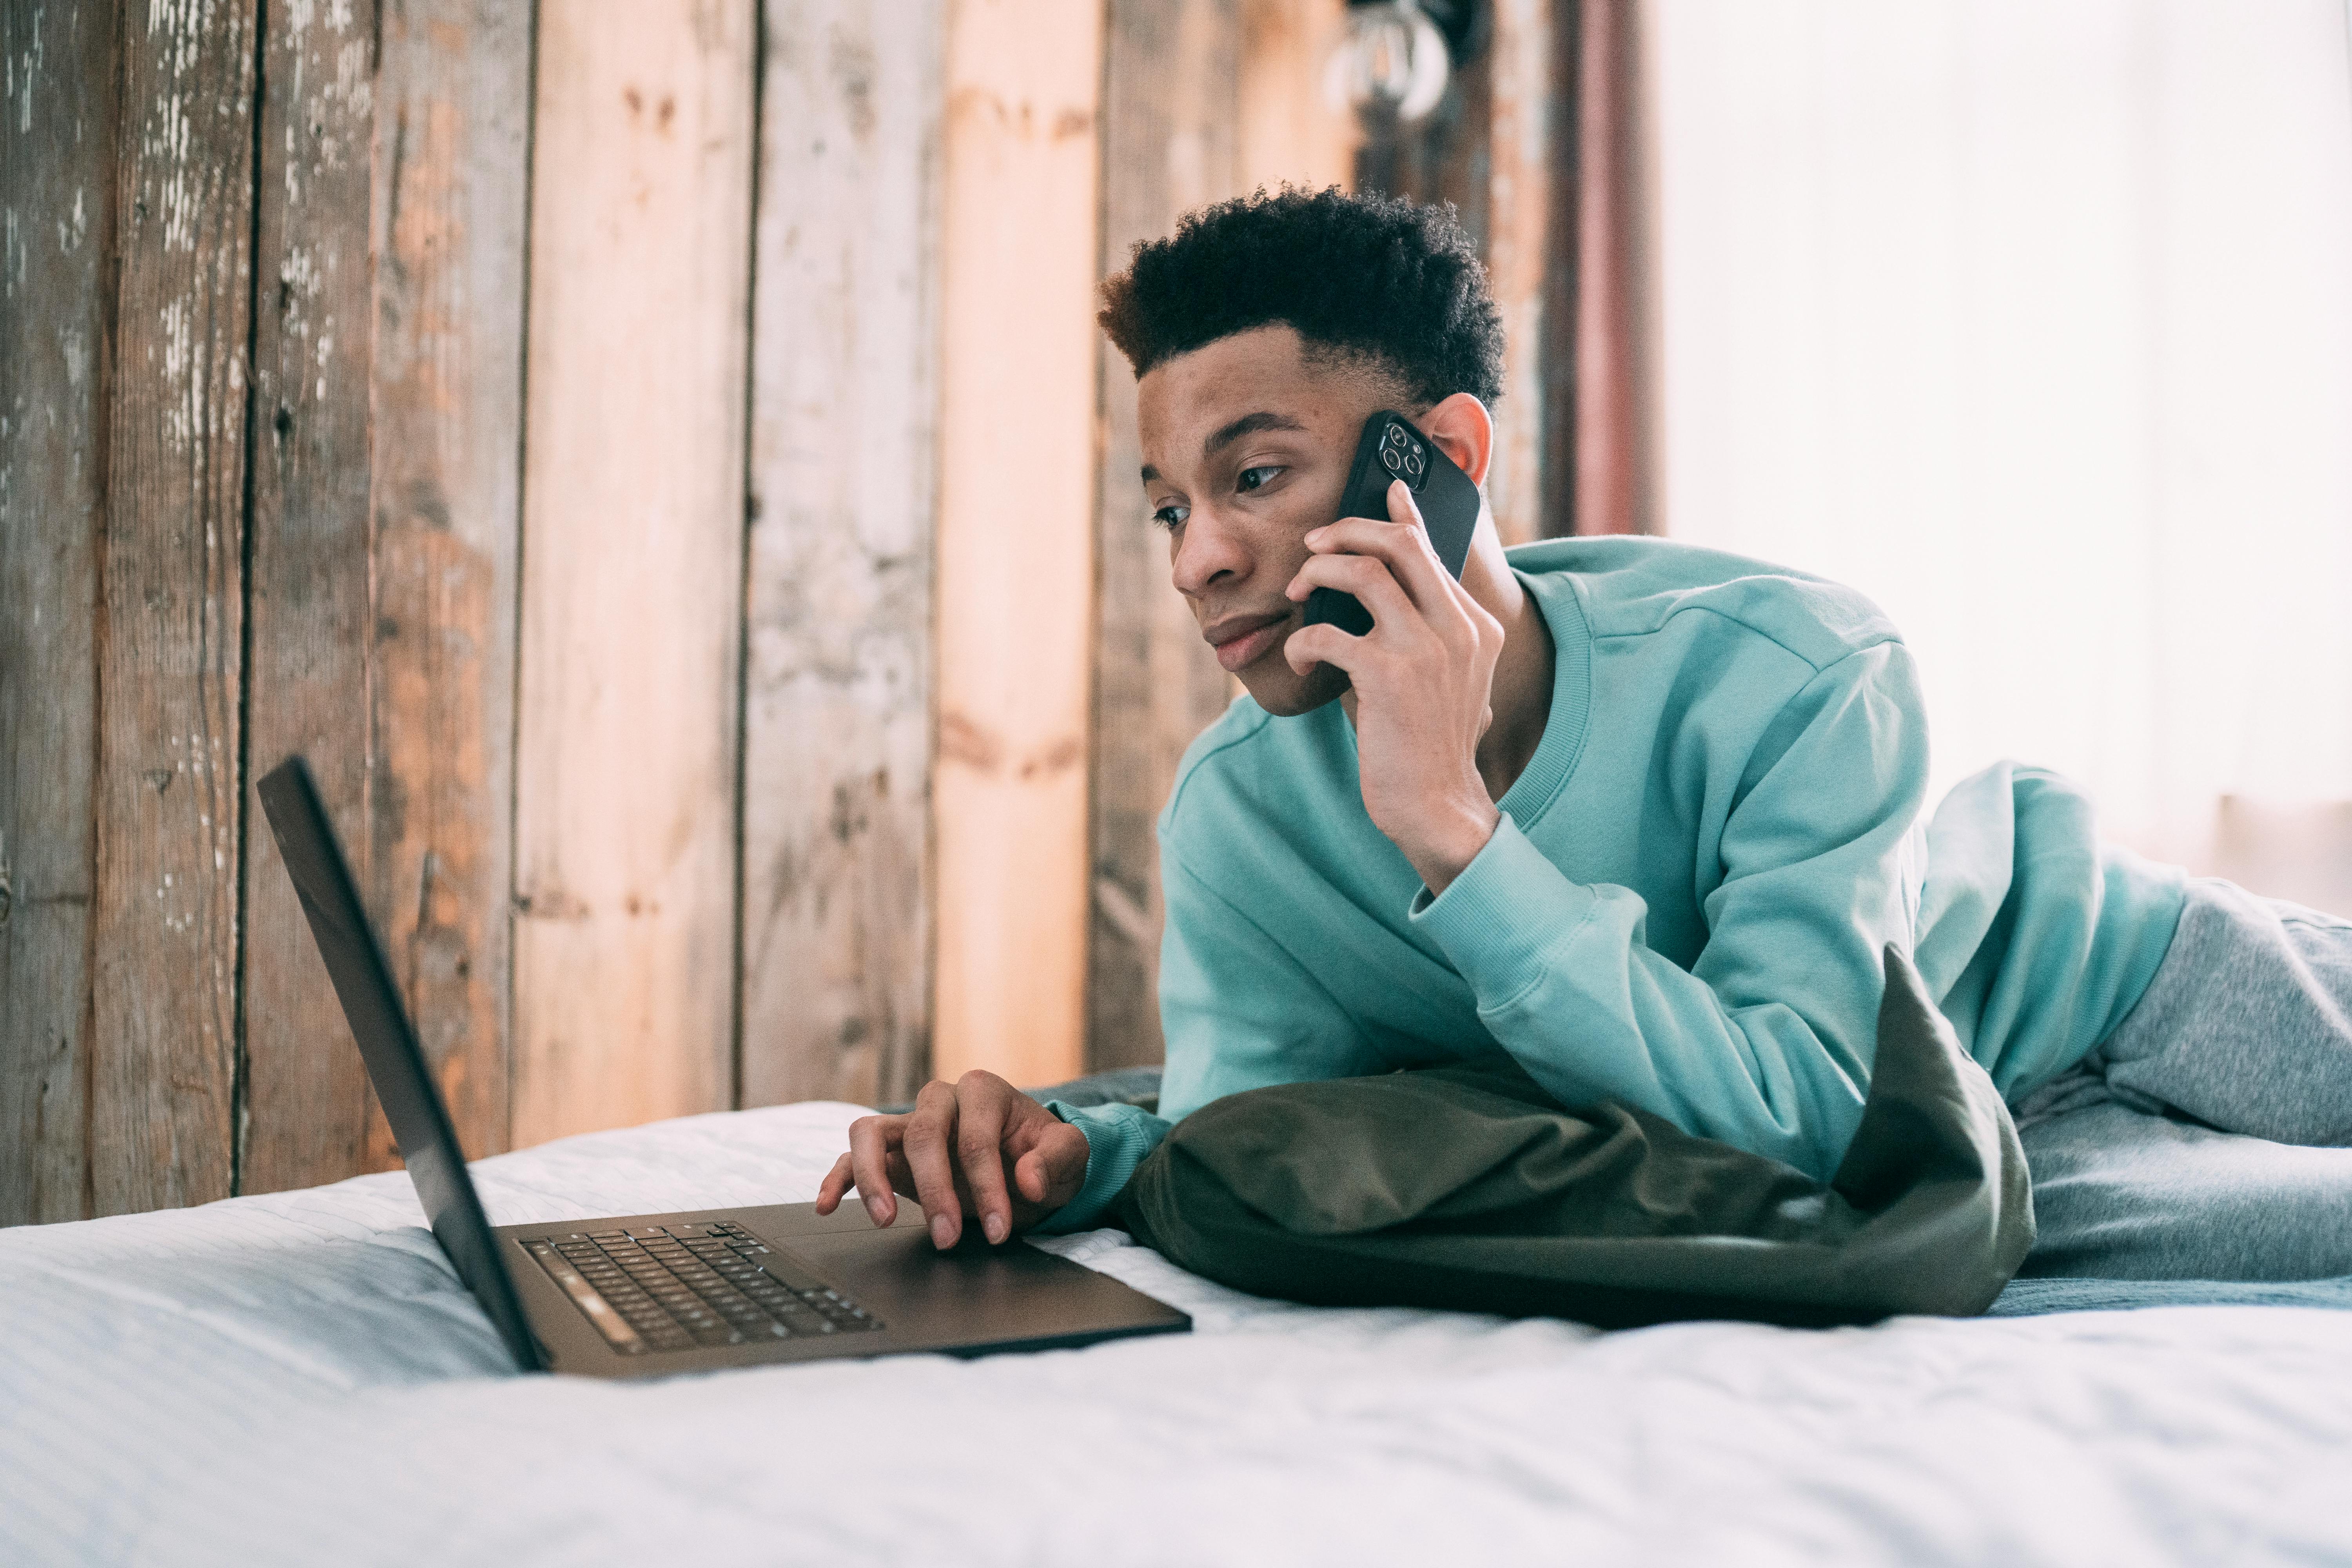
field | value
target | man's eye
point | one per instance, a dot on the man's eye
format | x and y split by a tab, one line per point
1171	517
1258	479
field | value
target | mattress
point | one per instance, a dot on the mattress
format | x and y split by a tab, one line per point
299	1378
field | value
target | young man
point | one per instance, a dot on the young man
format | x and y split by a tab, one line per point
1643	817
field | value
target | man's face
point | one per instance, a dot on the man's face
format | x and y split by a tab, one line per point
1247	443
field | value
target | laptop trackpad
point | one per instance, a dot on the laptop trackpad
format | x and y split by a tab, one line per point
972	1293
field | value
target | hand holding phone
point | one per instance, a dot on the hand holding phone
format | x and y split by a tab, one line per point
1391	449
1418	718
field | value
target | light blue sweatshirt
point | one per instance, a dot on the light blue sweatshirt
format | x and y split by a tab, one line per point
1686	902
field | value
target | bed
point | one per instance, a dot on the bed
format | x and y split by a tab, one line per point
299	1378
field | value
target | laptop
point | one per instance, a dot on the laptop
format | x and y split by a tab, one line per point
647	1295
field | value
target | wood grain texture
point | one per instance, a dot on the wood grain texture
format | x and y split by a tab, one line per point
452	177
1171	108
837	720
164	916
1016	526
1563	281
632	566
57	208
1286	133
1525	250
307	1099
1613	490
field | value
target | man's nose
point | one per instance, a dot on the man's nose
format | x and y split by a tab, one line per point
1206	550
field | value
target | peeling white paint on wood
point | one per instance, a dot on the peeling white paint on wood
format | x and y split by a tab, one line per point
163	1003
308	1110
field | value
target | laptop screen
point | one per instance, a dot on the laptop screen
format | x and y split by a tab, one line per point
396	1065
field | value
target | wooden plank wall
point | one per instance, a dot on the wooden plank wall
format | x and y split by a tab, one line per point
448	222
1529	56
1172	78
1286	133
1607	356
1501	149
307	554
1016	545
843	488
658	464
164	1044
57	171
632	569
1202	100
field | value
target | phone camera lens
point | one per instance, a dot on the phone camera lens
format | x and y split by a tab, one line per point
1393	463
1414	465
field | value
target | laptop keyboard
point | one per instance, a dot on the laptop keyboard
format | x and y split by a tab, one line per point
681	1286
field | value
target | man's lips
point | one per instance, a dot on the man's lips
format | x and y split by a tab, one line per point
1241	640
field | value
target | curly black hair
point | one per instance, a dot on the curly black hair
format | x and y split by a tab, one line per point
1394	282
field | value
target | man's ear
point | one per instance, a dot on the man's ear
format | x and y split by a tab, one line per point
1462	426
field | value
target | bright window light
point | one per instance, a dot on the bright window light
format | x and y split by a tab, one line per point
2034	322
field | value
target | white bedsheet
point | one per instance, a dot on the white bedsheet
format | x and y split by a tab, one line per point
299	1379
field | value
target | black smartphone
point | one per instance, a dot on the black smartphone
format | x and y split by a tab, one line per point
1390	448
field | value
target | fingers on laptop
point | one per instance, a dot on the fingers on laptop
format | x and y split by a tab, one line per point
928	1144
965	1164
872	1142
875	1168
842	1180
830	1191
980	1151
966	1149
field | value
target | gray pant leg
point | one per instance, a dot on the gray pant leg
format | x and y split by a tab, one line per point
2248	1023
2121	1195
2247	1027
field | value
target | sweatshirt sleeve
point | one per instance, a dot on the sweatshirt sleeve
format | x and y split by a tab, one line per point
1766	1042
1237	1012
1118	1138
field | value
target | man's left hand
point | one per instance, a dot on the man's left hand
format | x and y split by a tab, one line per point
1423	677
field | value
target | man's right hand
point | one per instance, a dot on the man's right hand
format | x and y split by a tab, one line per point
978	1146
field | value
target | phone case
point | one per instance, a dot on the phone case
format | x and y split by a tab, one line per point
1391	449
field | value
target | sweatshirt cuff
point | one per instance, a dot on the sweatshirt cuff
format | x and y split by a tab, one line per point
1118	1139
1504	918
